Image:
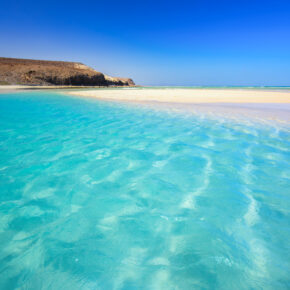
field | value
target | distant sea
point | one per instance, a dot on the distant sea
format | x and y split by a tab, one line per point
101	195
278	88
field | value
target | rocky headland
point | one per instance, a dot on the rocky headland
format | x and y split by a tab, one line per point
14	71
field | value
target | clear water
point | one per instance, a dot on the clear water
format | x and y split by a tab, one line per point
99	195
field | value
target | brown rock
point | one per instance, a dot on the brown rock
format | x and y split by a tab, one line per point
43	72
113	81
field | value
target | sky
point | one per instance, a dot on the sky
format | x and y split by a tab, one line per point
158	43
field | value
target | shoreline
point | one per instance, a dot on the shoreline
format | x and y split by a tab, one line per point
17	88
270	113
255	103
231	103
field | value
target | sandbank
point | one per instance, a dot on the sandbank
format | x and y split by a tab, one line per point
189	96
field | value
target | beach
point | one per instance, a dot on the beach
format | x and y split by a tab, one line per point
190	95
271	104
171	95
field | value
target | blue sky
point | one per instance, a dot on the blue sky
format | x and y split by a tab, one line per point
156	42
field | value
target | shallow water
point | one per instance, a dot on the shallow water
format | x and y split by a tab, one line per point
100	195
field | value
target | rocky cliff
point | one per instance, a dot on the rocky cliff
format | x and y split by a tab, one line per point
43	72
119	81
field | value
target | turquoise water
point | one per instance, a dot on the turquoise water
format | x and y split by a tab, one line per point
99	195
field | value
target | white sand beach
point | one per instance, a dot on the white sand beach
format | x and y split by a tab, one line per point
186	95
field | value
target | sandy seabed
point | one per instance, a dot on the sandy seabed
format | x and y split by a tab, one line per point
261	104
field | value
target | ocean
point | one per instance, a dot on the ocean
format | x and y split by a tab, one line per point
108	195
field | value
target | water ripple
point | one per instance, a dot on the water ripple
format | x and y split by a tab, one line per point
98	195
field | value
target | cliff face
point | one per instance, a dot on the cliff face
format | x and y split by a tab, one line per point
119	81
42	72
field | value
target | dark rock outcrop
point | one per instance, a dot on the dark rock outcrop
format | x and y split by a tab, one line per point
42	72
112	81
